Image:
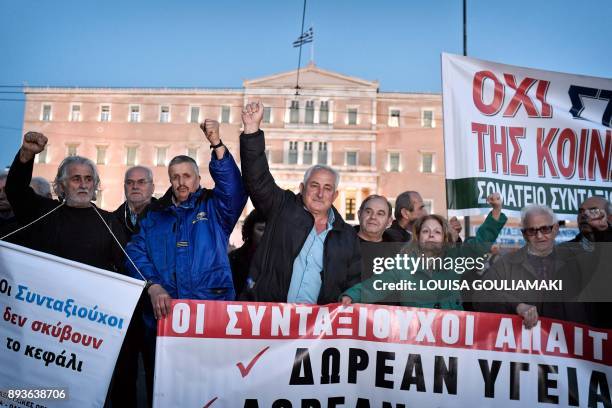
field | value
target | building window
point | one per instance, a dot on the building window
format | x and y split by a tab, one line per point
322	153
394	161
164	114
428	205
427	162
268	155
71	149
105	113
41	158
101	154
46	113
225	114
427	119
267	117
134	113
294	112
309	114
293	153
194	114
99	199
160	156
394	118
130	155
307	155
350	209
193	153
75	113
324	112
352	116
351	158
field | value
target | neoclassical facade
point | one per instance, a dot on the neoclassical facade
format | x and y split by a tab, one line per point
381	142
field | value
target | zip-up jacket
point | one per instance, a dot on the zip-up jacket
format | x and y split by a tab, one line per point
288	224
184	248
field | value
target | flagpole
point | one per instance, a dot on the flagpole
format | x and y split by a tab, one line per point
297	81
466	219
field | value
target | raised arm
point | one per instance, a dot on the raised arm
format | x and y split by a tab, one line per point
258	181
26	204
229	193
489	230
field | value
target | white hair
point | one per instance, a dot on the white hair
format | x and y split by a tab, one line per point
529	210
317	167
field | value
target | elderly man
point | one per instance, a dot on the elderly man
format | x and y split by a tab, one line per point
138	187
409	207
594	221
308	254
76	230
41	186
374	218
540	259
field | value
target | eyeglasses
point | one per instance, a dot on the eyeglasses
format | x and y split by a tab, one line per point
593	212
139	183
532	232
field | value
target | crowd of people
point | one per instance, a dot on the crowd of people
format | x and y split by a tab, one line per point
297	247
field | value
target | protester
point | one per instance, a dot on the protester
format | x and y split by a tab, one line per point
409	207
41	186
240	258
374	218
77	230
308	254
73	228
181	247
8	221
594	221
538	259
138	188
434	244
595	225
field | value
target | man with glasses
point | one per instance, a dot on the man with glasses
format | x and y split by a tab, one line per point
595	224
138	186
594	221
539	260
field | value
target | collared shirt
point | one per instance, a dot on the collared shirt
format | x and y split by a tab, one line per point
307	267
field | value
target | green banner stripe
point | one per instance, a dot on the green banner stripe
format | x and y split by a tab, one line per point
467	193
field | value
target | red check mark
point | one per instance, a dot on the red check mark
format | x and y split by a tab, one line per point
245	371
209	403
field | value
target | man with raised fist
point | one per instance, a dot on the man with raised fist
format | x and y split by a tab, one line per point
181	247
308	254
75	231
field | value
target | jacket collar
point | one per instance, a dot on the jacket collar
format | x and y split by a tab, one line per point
520	258
166	202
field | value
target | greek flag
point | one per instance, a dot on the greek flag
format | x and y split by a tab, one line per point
305	38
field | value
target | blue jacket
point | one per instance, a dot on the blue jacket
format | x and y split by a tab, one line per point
184	248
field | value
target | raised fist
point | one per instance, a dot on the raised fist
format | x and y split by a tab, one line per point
34	142
211	130
495	201
252	114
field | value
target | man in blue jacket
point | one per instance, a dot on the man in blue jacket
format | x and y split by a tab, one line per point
181	247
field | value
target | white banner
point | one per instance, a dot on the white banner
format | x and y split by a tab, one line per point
537	137
61	329
230	354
